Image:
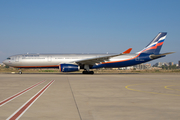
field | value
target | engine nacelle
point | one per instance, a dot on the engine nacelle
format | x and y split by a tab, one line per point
68	67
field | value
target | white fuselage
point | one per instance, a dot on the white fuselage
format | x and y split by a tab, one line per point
53	60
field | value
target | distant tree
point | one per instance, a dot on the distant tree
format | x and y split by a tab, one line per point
164	67
173	67
6	66
169	67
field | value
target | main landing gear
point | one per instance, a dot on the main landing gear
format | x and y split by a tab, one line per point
86	70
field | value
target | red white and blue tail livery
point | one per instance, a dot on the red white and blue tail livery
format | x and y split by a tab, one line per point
155	45
75	62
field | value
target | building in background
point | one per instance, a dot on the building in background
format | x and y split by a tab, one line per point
143	66
171	63
159	64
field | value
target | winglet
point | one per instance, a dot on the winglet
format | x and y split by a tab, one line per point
127	51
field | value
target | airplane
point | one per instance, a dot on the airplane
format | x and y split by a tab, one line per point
75	62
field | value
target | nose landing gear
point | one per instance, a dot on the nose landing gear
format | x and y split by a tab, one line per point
20	72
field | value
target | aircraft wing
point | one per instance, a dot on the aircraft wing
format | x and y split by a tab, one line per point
92	61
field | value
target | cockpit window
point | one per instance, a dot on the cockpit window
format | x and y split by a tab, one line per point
8	58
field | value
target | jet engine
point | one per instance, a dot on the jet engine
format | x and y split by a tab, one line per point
68	67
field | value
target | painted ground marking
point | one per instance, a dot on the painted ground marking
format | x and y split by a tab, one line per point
127	87
20	93
18	113
167	87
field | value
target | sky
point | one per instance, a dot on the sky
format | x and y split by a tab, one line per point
88	26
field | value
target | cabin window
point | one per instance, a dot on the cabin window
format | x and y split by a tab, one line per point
8	58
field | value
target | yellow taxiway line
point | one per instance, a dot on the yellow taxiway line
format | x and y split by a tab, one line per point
166	87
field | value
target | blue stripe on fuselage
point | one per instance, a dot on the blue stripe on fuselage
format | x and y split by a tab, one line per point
142	58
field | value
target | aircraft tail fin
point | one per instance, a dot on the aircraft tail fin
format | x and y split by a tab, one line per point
155	45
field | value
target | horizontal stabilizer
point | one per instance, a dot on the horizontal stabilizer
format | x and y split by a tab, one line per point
160	55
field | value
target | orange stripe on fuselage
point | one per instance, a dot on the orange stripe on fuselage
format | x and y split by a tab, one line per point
60	67
122	60
48	66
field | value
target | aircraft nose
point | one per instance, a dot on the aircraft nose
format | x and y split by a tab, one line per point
5	62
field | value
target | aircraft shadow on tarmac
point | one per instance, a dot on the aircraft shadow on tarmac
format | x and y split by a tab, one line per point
80	73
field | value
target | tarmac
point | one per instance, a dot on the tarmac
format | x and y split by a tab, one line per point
90	97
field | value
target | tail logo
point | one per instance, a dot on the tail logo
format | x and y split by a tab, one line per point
155	45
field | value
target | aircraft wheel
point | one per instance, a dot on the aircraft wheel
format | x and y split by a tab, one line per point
88	72
20	72
84	72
